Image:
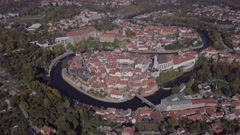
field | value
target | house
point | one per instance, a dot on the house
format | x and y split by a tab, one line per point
42	43
31	92
79	35
230	116
62	40
162	62
180	131
107	38
105	129
216	127
176	102
205	87
128	130
236	105
34	27
117	94
46	130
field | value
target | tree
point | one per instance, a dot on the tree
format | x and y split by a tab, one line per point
130	33
46	103
175	89
195	88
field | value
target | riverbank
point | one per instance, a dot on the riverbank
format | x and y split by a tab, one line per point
70	82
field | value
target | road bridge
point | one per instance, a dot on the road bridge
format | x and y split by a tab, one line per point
144	99
54	61
157	52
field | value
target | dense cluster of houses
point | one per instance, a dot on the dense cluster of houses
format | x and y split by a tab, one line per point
141	19
178	106
155	37
113	72
78	21
45	3
236	42
221	56
117	73
216	12
113	3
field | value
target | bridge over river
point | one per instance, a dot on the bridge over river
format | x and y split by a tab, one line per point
55	61
157	52
144	100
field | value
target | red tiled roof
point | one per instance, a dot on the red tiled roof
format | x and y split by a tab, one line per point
128	131
48	130
117	92
81	32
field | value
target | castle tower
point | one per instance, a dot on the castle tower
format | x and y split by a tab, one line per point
137	42
155	63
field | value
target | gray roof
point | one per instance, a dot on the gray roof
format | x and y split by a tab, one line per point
176	99
162	59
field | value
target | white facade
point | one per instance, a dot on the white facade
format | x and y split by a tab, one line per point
117	96
128	61
162	66
62	40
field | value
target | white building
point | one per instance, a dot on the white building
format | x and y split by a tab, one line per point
162	62
34	27
176	102
117	94
62	40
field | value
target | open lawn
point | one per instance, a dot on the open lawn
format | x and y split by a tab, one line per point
221	84
188	91
25	18
168	76
141	6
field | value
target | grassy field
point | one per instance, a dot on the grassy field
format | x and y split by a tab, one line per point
132	9
168	76
221	84
25	18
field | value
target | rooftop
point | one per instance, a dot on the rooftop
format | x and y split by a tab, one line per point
176	99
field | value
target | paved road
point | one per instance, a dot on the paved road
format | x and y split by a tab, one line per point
54	61
37	130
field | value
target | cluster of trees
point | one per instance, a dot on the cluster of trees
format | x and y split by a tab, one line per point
105	25
27	66
168	75
48	106
130	33
91	122
227	37
169	125
210	70
138	7
58	13
94	44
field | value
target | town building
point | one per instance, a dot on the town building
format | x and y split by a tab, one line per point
76	36
176	102
46	130
34	27
128	130
62	40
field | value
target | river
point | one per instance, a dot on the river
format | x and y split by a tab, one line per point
67	90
